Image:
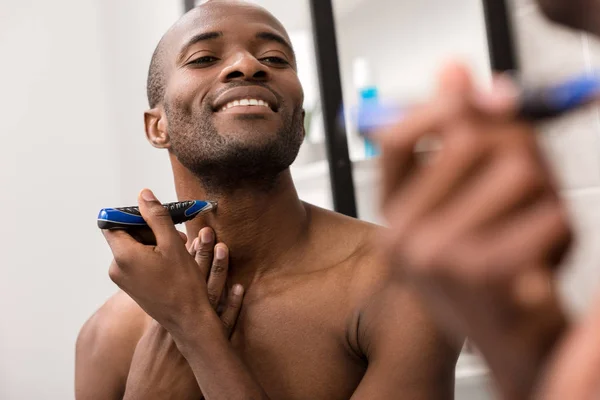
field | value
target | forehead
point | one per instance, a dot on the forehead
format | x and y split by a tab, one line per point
228	17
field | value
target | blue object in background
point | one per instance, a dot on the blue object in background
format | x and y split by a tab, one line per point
368	100
536	104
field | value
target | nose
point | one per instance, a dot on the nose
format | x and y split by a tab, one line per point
244	66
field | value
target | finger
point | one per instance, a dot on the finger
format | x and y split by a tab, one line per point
205	243
524	239
218	275
436	183
501	101
192	247
158	219
123	246
507	183
533	288
232	310
455	79
398	143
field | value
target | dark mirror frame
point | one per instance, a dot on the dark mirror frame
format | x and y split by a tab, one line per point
502	58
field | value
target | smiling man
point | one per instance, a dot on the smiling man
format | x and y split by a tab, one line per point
321	318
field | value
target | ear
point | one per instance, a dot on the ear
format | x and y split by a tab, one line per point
155	122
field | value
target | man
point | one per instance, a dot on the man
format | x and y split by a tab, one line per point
320	318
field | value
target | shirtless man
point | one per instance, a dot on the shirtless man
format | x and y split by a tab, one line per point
321	318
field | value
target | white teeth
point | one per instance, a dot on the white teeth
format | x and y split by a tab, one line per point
245	103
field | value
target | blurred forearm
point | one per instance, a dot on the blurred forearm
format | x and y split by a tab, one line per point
578	14
518	355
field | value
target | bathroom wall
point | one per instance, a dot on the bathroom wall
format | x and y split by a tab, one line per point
73	96
548	53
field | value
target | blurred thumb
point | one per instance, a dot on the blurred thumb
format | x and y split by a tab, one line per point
501	100
455	79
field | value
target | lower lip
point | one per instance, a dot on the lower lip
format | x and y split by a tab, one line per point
247	110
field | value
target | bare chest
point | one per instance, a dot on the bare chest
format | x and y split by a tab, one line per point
295	343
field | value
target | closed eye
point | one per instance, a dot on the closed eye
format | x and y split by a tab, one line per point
275	60
203	60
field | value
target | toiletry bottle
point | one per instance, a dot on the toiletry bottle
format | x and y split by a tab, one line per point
368	96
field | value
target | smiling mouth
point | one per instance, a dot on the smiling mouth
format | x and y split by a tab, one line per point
246	103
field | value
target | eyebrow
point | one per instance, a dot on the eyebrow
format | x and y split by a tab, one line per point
273	37
202	37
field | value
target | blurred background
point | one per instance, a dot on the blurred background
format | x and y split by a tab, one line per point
73	80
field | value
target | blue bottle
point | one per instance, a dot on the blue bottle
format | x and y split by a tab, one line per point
368	99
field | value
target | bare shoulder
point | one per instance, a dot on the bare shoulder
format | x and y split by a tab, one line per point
393	329
345	237
352	244
119	318
105	346
355	242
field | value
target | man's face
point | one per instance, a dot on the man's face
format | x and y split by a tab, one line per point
233	99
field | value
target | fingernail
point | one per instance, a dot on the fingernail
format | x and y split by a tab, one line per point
504	86
207	236
220	253
502	98
238	289
148	195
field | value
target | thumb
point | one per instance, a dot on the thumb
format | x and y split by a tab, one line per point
158	219
501	100
455	79
455	87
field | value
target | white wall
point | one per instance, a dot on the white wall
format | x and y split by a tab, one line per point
406	44
549	53
72	79
130	31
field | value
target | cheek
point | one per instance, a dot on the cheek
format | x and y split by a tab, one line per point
186	91
293	88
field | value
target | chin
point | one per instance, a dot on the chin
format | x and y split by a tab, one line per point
252	136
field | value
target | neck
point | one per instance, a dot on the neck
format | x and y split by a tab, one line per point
262	229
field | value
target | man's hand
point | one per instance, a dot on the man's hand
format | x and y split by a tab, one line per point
158	370
574	371
165	279
168	285
479	228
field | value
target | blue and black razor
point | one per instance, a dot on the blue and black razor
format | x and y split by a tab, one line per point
536	104
127	218
550	102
